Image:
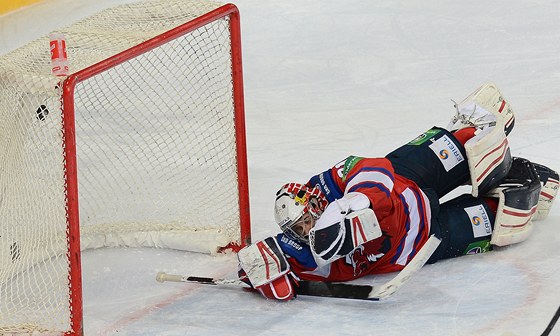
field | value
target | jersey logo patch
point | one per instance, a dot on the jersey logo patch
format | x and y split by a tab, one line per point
478	247
360	259
424	137
447	152
349	163
479	220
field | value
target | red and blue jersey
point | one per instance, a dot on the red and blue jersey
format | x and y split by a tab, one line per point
402	209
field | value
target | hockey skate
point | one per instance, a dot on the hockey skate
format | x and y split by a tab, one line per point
484	108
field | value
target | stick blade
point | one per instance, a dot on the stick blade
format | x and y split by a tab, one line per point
334	290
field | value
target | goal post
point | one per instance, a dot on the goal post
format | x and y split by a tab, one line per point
142	145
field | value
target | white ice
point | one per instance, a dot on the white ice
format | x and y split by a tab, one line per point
325	79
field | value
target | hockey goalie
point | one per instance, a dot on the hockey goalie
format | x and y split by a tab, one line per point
372	215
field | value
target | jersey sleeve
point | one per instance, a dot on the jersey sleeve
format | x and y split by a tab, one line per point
373	177
401	208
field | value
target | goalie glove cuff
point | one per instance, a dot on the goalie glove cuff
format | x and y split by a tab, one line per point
281	288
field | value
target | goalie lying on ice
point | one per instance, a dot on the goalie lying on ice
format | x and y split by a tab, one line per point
372	215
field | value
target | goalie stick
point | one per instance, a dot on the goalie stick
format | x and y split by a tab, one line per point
331	289
555	318
304	287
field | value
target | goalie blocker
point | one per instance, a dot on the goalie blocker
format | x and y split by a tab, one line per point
345	224
264	267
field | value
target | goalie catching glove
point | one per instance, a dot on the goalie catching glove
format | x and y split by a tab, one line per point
346	224
267	269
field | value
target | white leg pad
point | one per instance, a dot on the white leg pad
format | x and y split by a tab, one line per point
488	151
490	97
484	107
518	199
512	225
489	159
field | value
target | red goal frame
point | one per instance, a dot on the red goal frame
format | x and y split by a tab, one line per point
71	170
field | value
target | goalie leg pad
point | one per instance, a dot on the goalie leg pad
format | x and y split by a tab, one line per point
484	107
488	151
489	159
549	189
518	196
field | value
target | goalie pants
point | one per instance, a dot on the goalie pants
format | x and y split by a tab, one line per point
465	223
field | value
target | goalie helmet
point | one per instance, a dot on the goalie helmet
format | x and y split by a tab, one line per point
293	202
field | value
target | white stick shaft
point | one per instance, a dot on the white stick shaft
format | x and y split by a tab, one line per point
162	277
415	264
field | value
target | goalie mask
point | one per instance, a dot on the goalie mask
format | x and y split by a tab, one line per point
295	204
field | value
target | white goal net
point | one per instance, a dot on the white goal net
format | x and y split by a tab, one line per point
142	145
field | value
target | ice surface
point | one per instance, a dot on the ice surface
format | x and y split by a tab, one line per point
325	79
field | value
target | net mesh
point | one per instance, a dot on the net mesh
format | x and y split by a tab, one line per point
156	153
